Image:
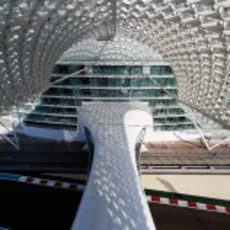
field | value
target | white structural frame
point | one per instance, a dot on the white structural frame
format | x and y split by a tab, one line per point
193	36
111	200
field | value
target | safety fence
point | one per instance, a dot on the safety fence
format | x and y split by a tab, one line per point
188	201
153	196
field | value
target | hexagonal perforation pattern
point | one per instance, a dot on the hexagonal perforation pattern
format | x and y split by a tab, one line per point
193	35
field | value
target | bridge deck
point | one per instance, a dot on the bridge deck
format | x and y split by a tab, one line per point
113	198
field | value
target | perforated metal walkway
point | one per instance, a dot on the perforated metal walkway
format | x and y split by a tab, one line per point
113	198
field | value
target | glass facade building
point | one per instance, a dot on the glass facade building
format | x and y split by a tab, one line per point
59	104
193	36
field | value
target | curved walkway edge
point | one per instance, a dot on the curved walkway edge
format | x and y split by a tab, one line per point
113	198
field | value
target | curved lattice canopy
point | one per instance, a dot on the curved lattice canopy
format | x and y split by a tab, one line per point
119	49
193	35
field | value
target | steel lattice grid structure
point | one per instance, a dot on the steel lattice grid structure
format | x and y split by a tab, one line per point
193	35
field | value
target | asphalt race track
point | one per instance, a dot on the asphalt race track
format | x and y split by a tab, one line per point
34	207
174	218
26	207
